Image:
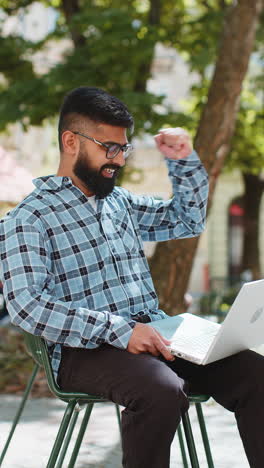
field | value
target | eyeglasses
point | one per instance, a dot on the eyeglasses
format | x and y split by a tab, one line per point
112	149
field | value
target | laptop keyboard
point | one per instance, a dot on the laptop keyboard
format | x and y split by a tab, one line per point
197	344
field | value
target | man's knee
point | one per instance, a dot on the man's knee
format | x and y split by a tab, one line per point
167	397
174	397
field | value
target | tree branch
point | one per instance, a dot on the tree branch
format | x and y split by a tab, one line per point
71	8
206	5
222	4
144	69
155	12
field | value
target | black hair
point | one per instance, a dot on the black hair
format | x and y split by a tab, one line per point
94	104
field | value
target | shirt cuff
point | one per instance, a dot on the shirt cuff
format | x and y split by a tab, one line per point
120	332
185	163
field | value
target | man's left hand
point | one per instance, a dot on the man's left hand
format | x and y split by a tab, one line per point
174	143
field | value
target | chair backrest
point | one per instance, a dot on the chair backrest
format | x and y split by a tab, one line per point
33	347
38	350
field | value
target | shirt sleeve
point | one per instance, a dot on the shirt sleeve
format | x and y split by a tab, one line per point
27	274
182	216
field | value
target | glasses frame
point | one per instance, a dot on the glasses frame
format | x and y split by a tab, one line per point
126	148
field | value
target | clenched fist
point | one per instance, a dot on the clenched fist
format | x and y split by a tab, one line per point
174	143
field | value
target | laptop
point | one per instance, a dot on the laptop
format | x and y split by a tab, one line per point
202	341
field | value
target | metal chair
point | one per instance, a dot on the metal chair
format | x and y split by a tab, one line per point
197	400
37	348
39	351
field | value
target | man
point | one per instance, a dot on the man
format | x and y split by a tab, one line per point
75	273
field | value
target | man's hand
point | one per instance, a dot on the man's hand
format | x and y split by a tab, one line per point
174	143
146	339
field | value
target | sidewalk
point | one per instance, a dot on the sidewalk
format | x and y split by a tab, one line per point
33	438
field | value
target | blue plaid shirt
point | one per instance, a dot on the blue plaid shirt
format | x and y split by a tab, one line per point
78	276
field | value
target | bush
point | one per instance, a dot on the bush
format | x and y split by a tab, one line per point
218	303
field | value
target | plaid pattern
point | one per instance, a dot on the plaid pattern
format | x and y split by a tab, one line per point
78	276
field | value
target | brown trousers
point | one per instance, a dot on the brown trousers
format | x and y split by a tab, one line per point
154	394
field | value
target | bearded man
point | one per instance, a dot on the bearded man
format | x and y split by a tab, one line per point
75	273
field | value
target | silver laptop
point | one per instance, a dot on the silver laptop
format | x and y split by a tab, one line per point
201	341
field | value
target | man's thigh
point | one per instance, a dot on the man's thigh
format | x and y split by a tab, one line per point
225	380
118	375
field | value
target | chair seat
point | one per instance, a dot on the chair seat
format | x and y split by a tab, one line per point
198	398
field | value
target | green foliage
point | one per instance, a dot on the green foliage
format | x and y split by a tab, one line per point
200	38
206	304
15	364
247	152
113	50
199	41
217	302
111	45
12	6
13	64
247	148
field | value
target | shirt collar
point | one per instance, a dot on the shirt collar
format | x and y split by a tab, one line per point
56	183
52	182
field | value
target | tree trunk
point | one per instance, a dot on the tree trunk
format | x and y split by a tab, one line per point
71	8
172	262
252	200
170	268
144	70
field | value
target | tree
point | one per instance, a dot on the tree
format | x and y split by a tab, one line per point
212	141
247	154
111	46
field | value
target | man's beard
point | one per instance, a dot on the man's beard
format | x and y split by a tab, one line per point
93	179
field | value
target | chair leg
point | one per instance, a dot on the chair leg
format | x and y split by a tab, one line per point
118	418
61	434
190	440
182	447
19	411
204	435
67	438
81	433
